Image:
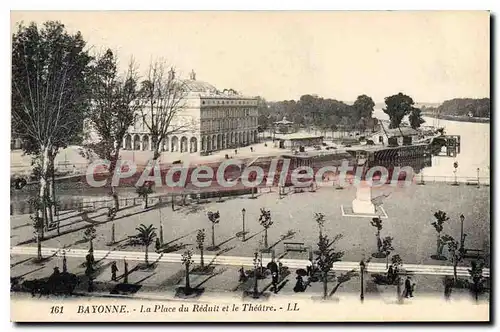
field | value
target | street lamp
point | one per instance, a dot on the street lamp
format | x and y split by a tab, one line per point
477	177
462	236
362	271
255	267
243	219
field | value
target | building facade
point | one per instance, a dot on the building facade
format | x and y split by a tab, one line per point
217	120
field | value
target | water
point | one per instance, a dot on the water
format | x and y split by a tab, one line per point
474	154
474	149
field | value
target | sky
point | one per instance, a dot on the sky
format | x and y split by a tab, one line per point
431	56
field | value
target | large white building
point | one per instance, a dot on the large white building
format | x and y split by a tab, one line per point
218	120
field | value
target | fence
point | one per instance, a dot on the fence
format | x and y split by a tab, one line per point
471	180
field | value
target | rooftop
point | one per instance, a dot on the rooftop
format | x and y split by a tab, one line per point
396	132
296	136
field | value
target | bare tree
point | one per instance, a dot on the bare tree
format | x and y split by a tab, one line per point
163	98
114	105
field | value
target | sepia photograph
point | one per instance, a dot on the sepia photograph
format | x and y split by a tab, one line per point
250	166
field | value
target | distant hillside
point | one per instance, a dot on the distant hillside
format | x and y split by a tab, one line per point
466	107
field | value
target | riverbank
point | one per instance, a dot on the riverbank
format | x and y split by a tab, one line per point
456	118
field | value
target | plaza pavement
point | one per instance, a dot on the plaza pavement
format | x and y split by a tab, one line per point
410	213
161	281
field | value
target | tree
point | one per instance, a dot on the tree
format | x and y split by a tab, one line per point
265	221
476	273
440	217
452	245
363	107
144	191
214	218
112	111
415	118
162	98
49	95
397	107
387	248
146	235
89	235
200	241
187	261
320	220
326	257
377	223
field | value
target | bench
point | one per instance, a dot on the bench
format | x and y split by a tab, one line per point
295	246
473	253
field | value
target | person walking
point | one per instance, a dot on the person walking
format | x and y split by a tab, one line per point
243	275
390	275
299	285
408	288
448	288
114	269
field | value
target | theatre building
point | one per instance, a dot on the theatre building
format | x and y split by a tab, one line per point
218	120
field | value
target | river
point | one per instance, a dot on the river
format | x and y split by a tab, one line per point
474	149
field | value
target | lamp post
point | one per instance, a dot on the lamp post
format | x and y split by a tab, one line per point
243	219
455	166
477	177
161	226
255	267
362	271
462	236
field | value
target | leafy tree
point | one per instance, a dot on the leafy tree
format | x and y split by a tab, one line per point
114	104
363	107
89	235
326	257
146	235
397	107
49	94
320	220
187	261
440	217
415	118
200	241
377	223
144	191
464	106
476	273
265	221
452	245
387	248
214	218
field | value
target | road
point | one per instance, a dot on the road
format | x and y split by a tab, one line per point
371	267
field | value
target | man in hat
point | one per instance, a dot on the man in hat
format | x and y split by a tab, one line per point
408	287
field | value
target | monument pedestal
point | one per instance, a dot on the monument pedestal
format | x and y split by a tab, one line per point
362	204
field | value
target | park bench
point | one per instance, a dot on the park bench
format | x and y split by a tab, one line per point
295	246
473	253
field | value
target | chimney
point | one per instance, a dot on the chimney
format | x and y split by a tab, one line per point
192	75
171	74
